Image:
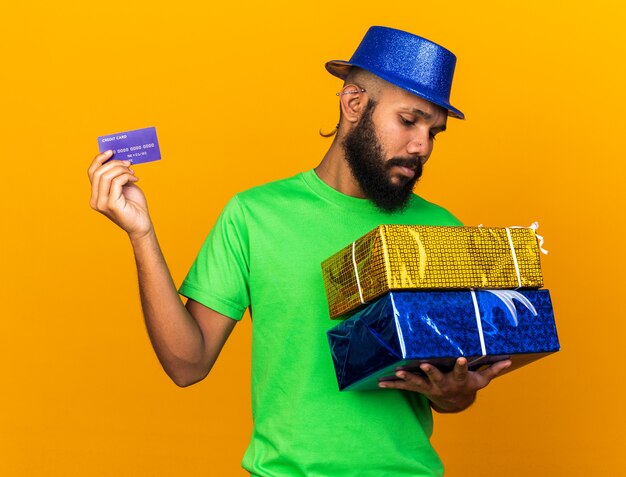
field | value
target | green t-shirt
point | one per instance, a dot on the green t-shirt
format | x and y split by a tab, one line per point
264	252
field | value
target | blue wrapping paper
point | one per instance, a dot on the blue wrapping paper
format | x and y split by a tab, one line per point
403	329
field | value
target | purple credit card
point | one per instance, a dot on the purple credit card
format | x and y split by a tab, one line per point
138	146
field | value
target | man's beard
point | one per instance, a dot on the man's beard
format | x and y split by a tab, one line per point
365	156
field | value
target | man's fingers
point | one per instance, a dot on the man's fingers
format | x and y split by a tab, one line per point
97	162
495	369
406	381
459	373
105	180
460	381
97	170
434	375
117	185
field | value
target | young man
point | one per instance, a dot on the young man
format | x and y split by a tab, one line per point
264	253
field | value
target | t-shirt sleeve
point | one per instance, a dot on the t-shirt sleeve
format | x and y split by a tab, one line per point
219	276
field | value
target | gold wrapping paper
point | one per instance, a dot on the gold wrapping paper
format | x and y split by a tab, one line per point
396	257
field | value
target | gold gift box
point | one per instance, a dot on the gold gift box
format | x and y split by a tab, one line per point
397	257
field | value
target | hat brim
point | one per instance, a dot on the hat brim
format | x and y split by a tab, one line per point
341	68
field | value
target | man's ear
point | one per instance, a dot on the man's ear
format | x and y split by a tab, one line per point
352	100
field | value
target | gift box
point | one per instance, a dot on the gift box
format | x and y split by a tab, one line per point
406	328
397	257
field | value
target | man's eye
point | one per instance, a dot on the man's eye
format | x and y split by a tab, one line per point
406	122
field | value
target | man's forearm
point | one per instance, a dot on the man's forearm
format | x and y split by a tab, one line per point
175	335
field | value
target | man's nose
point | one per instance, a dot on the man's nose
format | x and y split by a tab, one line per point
420	144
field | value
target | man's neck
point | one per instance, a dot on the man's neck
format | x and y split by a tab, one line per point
335	172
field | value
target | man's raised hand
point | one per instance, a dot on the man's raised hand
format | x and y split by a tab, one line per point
115	195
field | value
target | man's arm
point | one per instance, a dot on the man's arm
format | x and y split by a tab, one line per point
449	392
187	340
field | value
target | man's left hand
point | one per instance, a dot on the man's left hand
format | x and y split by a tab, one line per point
448	392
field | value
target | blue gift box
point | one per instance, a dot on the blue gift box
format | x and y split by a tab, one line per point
407	328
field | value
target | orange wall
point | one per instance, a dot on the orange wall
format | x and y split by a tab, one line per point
237	93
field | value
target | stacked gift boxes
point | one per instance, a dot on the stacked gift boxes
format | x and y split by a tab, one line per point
433	294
